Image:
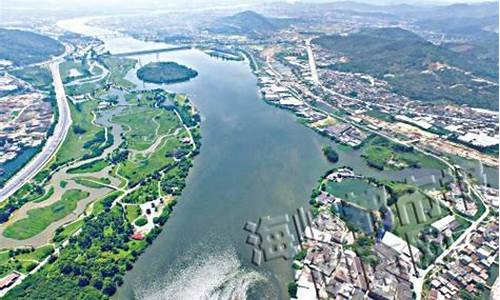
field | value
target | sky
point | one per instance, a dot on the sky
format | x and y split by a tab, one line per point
50	4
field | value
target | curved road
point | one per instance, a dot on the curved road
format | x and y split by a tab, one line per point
52	143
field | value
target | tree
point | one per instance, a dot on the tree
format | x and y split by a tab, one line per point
292	289
330	154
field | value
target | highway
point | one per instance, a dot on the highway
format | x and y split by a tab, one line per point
53	142
312	62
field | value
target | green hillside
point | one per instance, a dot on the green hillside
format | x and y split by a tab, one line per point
24	47
408	59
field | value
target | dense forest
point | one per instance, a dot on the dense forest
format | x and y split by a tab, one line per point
165	72
24	47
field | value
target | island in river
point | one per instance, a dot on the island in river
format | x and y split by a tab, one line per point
165	72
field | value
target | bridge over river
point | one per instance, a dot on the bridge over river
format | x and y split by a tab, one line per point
150	51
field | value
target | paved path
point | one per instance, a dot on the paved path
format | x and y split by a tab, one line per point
52	143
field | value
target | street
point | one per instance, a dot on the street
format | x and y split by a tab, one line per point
53	142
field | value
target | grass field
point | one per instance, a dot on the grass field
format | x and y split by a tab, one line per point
383	154
102	180
90	182
68	67
357	191
100	204
85	88
143	194
415	212
138	167
46	195
38	254
82	131
143	122
380	115
118	68
39	218
22	260
91	167
133	212
67	230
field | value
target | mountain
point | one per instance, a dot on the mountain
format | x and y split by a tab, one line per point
24	47
420	11
460	25
248	23
415	67
462	10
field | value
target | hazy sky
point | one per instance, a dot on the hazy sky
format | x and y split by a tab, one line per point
51	4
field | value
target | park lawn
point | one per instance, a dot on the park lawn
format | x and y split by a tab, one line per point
81	131
45	196
399	188
382	154
89	182
143	122
66	68
357	191
39	254
105	201
85	88
96	70
118	69
68	230
102	180
146	192
377	156
140	127
91	167
410	220
39	218
133	212
138	168
22	266
168	122
375	113
23	262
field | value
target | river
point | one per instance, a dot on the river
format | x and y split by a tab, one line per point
256	160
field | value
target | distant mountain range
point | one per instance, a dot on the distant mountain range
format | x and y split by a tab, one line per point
478	10
418	69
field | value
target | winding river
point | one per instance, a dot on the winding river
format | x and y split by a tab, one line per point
255	161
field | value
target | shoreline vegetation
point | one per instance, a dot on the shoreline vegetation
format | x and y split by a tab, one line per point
129	178
109	230
165	73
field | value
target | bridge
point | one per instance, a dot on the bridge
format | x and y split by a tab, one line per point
150	51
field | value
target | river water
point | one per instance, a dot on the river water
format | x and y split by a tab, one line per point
255	161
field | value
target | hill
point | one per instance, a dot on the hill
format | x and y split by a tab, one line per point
248	23
415	67
165	72
24	47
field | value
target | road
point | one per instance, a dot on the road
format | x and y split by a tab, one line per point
53	142
312	62
463	239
